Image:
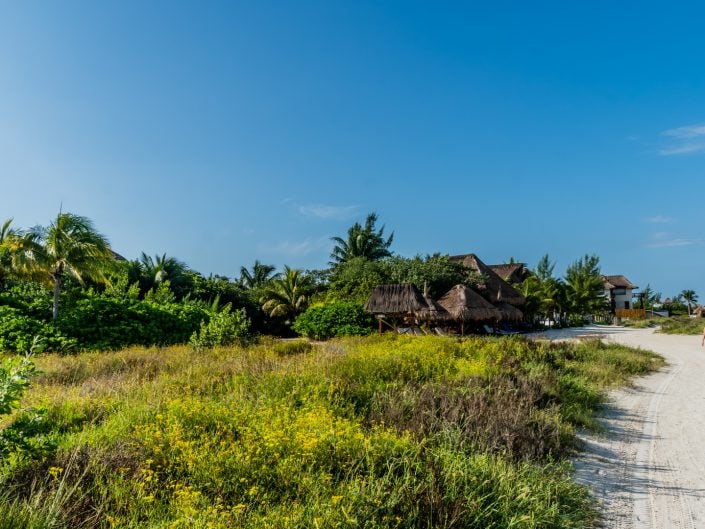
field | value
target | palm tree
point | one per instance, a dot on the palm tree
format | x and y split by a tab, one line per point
552	298
9	237
362	241
157	270
260	275
287	295
690	298
584	286
69	246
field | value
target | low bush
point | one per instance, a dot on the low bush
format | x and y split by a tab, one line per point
223	328
18	332
333	320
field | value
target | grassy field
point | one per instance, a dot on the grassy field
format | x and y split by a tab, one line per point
380	432
682	325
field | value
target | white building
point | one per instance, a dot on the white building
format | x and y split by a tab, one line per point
618	289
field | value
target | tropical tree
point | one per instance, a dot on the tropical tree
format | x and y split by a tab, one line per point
544	293
355	279
9	237
552	294
362	241
161	268
258	277
530	288
584	286
648	297
690	298
69	247
286	296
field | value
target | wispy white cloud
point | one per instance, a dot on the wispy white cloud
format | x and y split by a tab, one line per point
685	148
323	211
687	132
659	219
293	248
689	139
664	239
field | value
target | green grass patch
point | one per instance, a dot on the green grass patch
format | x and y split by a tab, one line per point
682	325
373	432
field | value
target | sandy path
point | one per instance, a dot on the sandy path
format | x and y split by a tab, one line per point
648	469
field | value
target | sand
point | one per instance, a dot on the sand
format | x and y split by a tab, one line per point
648	469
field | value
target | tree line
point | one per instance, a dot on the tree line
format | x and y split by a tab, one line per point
68	266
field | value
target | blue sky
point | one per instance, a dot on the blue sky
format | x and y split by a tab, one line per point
221	133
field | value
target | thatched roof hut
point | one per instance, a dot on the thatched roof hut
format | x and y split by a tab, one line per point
465	304
509	312
395	300
512	273
494	288
433	311
617	281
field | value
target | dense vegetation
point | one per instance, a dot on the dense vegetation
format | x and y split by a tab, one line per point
64	284
375	432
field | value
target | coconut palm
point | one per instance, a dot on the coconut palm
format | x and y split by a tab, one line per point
9	237
157	270
584	286
690	298
287	295
362	241
69	247
258	277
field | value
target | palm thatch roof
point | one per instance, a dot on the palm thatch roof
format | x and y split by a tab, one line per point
617	281
433	311
512	273
509	312
494	288
462	303
395	300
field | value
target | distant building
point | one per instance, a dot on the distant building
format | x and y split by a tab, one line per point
618	289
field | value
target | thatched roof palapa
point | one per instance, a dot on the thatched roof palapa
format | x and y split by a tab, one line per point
494	288
463	303
509	312
512	273
618	281
433	311
395	300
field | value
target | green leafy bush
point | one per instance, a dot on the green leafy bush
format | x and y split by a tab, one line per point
102	322
18	332
24	434
223	328
334	319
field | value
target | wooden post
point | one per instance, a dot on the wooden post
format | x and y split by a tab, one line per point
380	326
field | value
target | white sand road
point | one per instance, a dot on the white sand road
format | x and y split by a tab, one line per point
648	469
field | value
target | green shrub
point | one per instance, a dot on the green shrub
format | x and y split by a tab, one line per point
334	319
223	328
102	322
18	332
23	435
